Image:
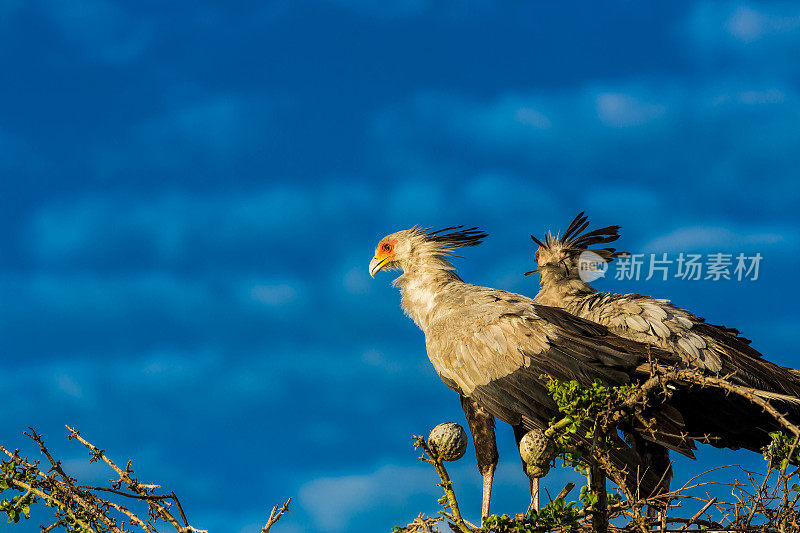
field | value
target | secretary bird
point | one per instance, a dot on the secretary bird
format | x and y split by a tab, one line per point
659	323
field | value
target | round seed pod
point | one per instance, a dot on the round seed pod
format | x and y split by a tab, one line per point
449	440
538	451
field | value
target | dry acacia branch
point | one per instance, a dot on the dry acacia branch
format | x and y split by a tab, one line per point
81	506
421	524
276	515
125	476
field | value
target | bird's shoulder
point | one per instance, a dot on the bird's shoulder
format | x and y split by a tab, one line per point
473	307
486	334
480	309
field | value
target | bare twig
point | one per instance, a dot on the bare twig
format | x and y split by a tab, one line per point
276	515
565	491
699	513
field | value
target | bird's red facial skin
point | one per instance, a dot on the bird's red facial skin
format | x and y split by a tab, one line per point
385	248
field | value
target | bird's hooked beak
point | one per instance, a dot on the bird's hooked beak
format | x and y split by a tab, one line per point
384	255
548	266
377	264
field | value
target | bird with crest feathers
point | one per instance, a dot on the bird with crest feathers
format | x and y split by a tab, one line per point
492	347
655	321
659	323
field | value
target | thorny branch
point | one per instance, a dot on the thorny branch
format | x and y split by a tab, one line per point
80	507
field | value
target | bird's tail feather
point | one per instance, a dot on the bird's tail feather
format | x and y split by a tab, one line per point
766	395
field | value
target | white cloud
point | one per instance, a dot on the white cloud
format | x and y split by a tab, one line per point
377	358
748	23
85	472
532	117
761	36
278	295
357	281
720	238
70	383
768	96
621	110
69	386
334	501
160	369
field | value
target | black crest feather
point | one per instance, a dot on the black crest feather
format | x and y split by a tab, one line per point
580	223
575	241
575	238
457	236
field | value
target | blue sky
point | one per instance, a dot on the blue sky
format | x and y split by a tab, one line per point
192	193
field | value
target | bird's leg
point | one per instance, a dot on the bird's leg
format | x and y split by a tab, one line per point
481	425
519	432
534	493
488	477
656	459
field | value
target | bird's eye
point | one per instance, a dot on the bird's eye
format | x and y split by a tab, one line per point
386	247
536	255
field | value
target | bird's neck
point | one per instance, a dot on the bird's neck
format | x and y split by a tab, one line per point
422	290
558	290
